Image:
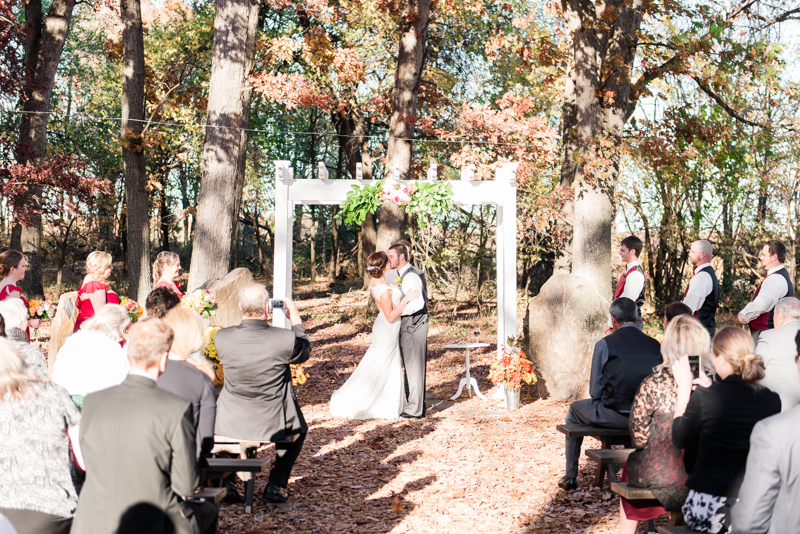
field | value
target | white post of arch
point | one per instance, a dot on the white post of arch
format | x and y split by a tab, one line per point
502	192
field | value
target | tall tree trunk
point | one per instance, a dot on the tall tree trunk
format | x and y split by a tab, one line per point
224	152
44	42
164	213
136	195
410	64
184	202
597	105
369	238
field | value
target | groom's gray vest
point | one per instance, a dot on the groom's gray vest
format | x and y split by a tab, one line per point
424	310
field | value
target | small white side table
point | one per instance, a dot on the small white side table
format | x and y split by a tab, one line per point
468	381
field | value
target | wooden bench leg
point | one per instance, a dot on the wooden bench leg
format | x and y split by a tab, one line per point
676	519
248	499
599	475
651	526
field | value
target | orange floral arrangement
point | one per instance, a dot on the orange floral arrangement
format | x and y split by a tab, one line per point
512	369
39	309
298	376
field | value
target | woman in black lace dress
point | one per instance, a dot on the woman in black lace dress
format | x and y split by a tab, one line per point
657	464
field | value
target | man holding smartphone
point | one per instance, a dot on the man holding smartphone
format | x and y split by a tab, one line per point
258	402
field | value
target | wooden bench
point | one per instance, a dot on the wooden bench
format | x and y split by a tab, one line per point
676	530
642	494
224	467
606	437
214	495
612	458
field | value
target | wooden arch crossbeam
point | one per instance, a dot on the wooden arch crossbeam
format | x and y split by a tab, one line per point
502	192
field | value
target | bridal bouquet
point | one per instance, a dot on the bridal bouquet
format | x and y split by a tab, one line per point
39	309
132	308
201	301
397	193
512	369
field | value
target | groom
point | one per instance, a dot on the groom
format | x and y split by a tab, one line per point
413	330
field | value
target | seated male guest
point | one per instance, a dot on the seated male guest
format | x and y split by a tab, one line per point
770	492
258	402
620	362
778	350
138	442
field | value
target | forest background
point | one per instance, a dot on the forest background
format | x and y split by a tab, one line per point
140	126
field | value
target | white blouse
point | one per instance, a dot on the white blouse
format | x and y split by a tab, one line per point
89	362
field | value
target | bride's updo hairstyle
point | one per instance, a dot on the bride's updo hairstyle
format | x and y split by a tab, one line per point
376	264
736	346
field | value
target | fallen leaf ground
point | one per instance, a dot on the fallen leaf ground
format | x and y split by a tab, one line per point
469	466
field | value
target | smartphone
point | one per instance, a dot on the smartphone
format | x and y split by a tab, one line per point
694	363
276	304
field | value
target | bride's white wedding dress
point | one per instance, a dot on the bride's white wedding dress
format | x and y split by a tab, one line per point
375	389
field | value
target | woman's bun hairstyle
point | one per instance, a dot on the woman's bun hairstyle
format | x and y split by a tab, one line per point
376	264
738	349
8	260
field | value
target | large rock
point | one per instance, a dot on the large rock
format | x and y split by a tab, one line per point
226	294
562	325
62	326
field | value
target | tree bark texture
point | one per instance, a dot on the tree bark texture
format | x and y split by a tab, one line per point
224	151
597	100
44	42
136	194
413	30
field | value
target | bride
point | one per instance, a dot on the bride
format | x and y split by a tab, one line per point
375	390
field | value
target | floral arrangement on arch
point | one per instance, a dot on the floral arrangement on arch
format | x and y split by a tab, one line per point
201	301
132	308
397	193
512	369
426	199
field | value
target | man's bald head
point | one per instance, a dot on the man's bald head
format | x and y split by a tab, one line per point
253	300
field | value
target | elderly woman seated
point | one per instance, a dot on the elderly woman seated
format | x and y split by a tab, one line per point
92	358
657	464
716	419
37	421
15	316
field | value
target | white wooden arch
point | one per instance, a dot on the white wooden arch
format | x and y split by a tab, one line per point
502	192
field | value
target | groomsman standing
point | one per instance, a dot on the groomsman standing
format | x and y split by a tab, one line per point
776	285
702	293
632	282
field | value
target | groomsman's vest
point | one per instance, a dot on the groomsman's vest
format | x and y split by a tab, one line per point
707	313
765	320
424	291
621	285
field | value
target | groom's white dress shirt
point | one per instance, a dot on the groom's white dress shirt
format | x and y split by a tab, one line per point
410	282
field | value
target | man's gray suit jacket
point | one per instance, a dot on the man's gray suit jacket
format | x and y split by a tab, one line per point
777	347
257	401
138	442
769	498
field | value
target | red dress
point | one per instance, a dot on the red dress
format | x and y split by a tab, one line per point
85	308
172	285
6	292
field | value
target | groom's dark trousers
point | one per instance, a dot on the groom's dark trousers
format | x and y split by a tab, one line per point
414	348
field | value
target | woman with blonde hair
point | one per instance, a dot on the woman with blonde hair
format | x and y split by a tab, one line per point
717	419
165	270
94	292
656	464
189	378
37	421
13	266
92	359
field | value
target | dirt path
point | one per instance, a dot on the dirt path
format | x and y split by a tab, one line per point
470	466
